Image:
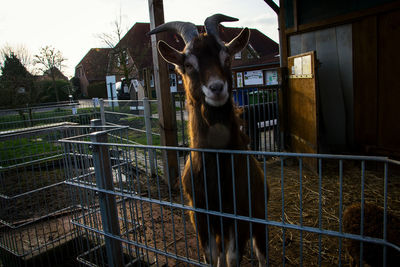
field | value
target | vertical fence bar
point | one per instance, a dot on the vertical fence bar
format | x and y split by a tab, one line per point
319	210
362	211
102	114
340	209
108	206
385	197
147	122
301	208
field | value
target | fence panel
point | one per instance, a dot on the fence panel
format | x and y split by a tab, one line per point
40	115
306	218
35	203
260	113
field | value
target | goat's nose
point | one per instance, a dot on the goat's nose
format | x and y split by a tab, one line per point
216	88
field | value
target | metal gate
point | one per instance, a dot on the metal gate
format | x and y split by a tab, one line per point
129	216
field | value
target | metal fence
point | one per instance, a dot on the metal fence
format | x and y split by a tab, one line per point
35	116
130	217
142	118
35	206
260	113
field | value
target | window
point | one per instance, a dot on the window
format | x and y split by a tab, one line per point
126	58
152	80
238	55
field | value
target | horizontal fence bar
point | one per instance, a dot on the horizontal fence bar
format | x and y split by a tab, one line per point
241	152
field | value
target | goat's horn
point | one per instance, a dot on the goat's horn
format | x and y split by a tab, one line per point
213	21
187	30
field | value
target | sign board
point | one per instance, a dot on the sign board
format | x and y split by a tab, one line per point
111	89
172	82
301	67
302	106
271	77
239	79
254	77
96	102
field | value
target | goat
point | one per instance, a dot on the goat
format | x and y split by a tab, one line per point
214	123
373	227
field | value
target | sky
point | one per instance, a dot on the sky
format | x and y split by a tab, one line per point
74	26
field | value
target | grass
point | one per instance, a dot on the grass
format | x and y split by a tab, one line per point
23	149
16	121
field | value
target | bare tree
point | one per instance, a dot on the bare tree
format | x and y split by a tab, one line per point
21	52
50	60
119	56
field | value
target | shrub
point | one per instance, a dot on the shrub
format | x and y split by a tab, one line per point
98	89
47	93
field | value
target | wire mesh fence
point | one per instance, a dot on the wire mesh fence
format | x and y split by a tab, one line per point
36	116
129	216
35	205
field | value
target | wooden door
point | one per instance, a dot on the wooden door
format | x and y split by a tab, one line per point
302	106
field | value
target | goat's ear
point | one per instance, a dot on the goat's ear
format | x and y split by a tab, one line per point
170	54
239	42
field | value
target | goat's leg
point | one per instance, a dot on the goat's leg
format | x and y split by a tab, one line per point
210	249
232	259
208	239
259	243
233	255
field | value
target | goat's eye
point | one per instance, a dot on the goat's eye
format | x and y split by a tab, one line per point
188	67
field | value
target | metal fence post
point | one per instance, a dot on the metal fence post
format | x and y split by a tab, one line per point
111	95
94	123
102	114
108	205
147	122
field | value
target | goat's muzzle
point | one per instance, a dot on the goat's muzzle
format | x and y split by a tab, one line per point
216	92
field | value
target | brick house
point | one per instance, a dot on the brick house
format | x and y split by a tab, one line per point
92	68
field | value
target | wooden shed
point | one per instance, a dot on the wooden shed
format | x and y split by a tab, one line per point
342	92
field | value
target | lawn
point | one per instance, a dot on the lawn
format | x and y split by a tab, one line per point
21	150
23	120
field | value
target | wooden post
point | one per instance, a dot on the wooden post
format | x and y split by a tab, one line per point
283	52
167	117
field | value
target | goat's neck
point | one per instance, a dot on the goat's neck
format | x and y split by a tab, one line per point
212	127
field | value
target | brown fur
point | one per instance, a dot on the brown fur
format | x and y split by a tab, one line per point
373	227
218	128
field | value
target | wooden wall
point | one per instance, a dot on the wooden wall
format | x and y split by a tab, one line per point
333	48
377	83
357	71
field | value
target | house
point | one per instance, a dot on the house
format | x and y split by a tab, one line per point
261	54
58	75
342	90
92	68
